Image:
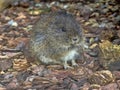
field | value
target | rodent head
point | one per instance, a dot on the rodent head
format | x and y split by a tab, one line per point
60	28
67	29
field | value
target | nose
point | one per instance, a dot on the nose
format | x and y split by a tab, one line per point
75	39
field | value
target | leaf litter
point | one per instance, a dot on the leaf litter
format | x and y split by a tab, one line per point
101	25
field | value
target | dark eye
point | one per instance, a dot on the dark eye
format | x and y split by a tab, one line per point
63	29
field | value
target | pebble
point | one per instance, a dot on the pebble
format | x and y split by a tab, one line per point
12	23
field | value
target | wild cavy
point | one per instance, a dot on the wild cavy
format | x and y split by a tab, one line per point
56	39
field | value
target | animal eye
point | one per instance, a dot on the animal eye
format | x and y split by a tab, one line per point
63	29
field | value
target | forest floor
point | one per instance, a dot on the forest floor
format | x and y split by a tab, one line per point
100	20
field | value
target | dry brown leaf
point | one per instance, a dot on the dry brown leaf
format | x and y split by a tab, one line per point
20	64
21	16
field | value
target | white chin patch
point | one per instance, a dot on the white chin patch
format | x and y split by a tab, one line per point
70	55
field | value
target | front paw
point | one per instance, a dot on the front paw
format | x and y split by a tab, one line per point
74	64
66	66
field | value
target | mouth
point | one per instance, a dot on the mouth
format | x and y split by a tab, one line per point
77	43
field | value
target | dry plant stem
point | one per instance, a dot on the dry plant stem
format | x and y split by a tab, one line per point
12	56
